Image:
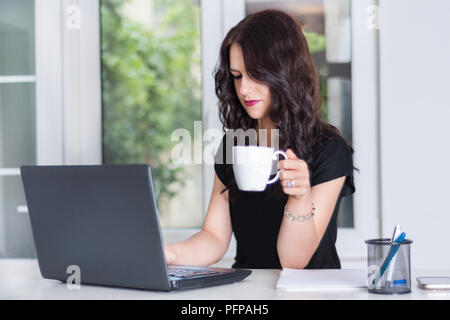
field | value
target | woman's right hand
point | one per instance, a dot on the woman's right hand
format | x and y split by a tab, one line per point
170	254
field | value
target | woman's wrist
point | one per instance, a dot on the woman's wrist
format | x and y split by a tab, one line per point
299	210
300	217
299	205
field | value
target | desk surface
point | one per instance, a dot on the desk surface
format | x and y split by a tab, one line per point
21	279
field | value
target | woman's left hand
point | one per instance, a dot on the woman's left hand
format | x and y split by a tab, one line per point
294	176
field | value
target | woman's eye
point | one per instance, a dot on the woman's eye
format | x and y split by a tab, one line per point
236	77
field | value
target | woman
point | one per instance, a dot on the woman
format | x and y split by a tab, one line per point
266	80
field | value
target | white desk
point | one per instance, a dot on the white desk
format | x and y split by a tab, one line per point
21	279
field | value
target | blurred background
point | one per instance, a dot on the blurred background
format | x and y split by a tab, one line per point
108	81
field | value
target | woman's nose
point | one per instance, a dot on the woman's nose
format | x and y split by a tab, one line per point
246	86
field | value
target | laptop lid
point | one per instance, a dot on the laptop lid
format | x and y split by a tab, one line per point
102	219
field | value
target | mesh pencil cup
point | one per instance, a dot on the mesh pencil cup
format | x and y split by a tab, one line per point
388	266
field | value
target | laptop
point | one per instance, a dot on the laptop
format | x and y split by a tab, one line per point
103	221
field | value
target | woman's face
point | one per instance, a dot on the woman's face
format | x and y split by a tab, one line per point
254	97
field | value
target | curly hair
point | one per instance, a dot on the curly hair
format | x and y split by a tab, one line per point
275	53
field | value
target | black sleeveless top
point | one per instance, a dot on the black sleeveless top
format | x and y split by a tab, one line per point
256	217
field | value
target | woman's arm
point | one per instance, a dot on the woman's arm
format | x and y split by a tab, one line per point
209	244
297	241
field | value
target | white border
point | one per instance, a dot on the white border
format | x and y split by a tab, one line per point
9	172
81	85
49	103
17	79
365	127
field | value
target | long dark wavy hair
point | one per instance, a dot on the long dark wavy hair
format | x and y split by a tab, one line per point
275	53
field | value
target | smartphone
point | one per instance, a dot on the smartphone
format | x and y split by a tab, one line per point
434	283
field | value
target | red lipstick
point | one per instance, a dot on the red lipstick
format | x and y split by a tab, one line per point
250	103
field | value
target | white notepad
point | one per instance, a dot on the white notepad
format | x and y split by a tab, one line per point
321	279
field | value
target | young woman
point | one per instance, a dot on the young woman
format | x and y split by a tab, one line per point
266	80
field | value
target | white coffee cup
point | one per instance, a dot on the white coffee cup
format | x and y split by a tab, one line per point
252	166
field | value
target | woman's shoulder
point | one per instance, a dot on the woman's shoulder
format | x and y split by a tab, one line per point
333	144
333	160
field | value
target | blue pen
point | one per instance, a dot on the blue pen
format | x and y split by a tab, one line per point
391	254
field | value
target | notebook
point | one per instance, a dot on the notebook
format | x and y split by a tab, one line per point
321	279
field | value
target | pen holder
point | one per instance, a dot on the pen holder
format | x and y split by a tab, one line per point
388	266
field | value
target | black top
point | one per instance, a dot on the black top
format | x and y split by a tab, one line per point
256	217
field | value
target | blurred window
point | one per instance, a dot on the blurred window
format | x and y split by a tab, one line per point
151	86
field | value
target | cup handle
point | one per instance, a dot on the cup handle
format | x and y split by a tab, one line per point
278	172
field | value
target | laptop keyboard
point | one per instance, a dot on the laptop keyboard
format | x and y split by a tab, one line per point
189	273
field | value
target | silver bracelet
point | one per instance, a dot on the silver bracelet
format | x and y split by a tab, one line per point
300	218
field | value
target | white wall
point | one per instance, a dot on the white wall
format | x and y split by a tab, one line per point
415	113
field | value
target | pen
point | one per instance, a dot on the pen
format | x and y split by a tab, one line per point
397	232
392	251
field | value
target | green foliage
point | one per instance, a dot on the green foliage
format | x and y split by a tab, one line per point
316	42
151	85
